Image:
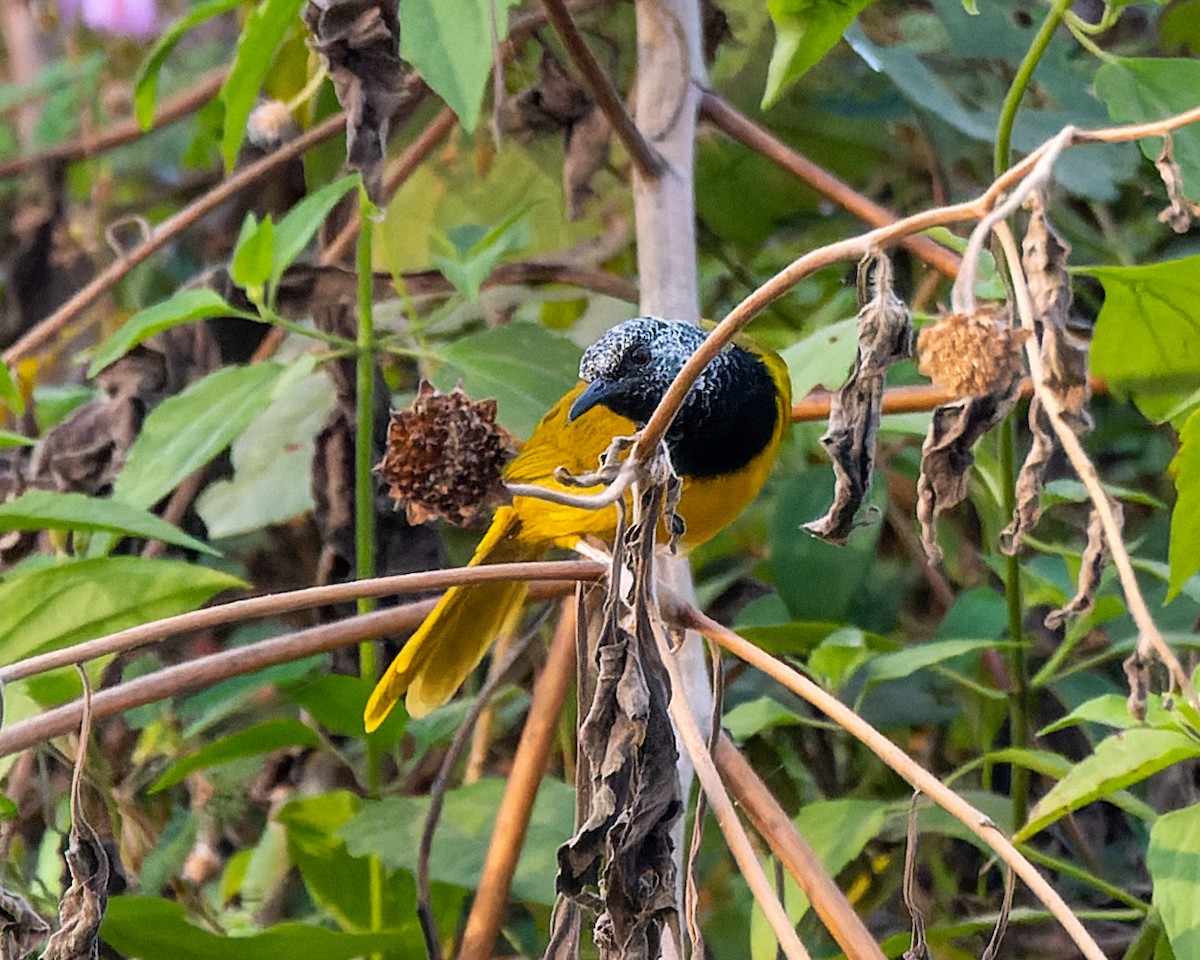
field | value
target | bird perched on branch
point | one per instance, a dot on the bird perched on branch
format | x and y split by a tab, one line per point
722	445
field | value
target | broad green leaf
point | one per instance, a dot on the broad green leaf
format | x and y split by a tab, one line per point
186	431
1141	90
903	663
1184	554
1173	860
145	81
50	510
51	607
262	738
272	461
391	829
184	307
1147	339
450	44
10	393
750	718
523	365
337	702
154	929
797	638
1112	710
301	223
1118	761
805	30
250	265
823	358
260	38
10	439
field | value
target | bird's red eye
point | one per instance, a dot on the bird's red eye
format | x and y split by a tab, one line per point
640	355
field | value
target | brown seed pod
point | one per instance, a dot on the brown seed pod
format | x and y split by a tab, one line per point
444	456
971	356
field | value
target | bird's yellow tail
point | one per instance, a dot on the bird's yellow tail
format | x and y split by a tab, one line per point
456	635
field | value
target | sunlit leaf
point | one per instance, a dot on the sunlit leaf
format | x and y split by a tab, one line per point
297	228
903	663
1112	710
250	265
804	32
10	439
1184	555
1173	860
262	738
10	393
754	716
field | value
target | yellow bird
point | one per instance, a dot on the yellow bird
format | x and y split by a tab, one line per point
722	444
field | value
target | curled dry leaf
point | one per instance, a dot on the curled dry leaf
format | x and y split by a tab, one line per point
22	930
444	456
884	336
1182	211
360	40
971	356
1095	558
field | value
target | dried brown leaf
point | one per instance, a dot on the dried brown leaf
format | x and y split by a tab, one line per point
1095	558
22	930
587	148
884	336
1182	211
971	356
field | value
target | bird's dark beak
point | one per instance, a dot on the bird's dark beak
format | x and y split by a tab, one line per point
596	393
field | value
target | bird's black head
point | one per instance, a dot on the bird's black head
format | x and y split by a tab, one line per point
629	368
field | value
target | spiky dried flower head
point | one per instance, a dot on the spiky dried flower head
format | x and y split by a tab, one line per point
444	456
971	356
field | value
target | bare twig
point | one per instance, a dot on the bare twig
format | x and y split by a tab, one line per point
1150	639
600	88
280	603
737	125
919	778
516	807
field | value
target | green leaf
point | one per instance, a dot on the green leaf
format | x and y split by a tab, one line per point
337	702
1184	554
1112	710
523	365
469	253
50	510
262	738
823	358
184	307
10	393
903	663
145	81
750	718
391	829
1147	339
10	439
186	431
297	228
258	43
1173	860
449	42
51	607
1141	90
1118	761
154	929
254	253
805	30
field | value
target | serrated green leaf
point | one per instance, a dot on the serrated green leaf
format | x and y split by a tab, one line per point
1184	553
262	738
52	607
51	510
258	43
523	365
450	44
185	306
1138	90
10	393
1118	761
156	929
250	264
301	223
186	431
1147	338
145	81
1173	860
805	30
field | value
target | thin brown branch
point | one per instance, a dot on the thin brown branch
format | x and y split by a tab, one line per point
737	125
773	825
166	232
916	775
516	807
649	164
205	671
121	133
277	604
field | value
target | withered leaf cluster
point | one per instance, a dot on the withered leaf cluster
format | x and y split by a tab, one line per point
885	336
557	103
22	930
360	42
971	356
1181	211
444	456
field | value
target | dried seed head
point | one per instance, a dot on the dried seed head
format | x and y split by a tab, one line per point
444	456
971	356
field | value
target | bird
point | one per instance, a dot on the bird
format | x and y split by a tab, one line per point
722	445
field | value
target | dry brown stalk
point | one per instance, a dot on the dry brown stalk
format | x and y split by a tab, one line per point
516	807
255	608
773	825
895	758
